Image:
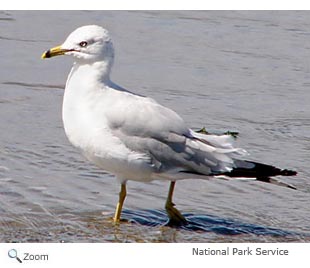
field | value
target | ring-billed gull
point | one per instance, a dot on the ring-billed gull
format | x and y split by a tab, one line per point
134	137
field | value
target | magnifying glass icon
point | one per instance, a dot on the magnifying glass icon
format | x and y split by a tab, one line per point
13	254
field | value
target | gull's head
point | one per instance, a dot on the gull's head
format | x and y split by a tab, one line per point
86	44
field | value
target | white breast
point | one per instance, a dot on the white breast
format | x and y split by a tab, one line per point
84	118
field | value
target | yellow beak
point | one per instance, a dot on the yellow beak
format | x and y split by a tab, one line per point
55	51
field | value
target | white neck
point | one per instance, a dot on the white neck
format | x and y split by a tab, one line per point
85	84
98	72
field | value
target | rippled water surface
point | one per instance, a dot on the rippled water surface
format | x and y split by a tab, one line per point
242	71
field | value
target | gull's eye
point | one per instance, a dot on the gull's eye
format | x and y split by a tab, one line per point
83	44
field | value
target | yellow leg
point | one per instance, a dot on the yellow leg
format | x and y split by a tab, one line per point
175	217
118	210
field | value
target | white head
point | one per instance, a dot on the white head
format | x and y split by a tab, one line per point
87	44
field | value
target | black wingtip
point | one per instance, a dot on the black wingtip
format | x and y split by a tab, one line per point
291	187
276	182
287	172
253	169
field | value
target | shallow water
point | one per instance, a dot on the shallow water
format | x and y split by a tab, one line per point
242	71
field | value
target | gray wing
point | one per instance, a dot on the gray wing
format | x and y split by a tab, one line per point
148	128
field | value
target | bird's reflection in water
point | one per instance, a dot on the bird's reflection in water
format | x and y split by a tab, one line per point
153	226
202	222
